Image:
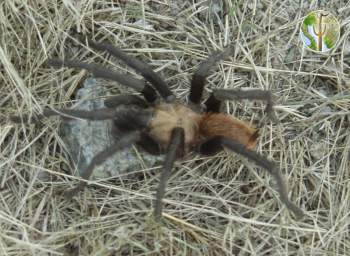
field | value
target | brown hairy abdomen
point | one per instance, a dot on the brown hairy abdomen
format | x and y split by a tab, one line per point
218	124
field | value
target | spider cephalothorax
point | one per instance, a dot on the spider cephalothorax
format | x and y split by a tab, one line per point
167	125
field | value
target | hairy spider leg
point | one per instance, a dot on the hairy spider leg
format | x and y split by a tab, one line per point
68	114
175	150
213	102
101	157
100	72
217	143
125	99
144	69
148	144
138	118
199	78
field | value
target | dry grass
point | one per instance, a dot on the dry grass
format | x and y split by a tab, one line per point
220	205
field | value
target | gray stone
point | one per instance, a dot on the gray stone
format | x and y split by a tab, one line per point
84	139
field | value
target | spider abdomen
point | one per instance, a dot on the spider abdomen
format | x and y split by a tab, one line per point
219	124
167	116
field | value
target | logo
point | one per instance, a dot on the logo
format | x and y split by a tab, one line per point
320	31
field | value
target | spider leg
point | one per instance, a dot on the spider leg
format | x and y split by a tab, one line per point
144	69
100	72
198	79
213	102
148	144
217	143
174	150
68	114
125	99
124	142
133	115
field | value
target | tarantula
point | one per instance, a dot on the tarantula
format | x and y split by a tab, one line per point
167	124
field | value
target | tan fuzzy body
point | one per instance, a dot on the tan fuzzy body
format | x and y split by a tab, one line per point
167	117
198	127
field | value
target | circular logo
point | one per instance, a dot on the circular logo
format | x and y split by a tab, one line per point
320	31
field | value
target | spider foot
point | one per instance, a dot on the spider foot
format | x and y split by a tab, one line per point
23	119
271	114
68	195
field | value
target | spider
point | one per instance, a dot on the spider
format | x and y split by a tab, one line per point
166	124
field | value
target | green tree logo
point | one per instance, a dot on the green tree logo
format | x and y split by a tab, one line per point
320	31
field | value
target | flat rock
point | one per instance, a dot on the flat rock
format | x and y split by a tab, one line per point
84	139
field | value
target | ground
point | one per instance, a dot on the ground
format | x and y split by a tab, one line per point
220	205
